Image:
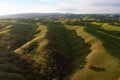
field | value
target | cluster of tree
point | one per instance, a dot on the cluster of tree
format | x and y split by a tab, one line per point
56	68
30	48
28	68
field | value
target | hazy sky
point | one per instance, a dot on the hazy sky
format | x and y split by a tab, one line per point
59	6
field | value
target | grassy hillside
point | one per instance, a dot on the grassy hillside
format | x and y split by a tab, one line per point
102	64
12	36
56	47
33	50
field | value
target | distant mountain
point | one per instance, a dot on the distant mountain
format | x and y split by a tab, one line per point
101	17
33	15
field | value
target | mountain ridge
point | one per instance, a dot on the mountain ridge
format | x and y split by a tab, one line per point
54	15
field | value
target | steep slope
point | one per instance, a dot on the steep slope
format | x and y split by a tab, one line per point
103	62
33	50
12	66
13	32
59	50
8	71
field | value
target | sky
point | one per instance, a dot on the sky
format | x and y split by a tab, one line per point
59	6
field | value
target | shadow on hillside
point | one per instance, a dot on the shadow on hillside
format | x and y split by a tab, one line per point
29	69
98	27
66	51
111	32
110	43
17	34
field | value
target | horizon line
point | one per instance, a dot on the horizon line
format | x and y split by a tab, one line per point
53	13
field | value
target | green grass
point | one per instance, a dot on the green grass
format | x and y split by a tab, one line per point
10	76
52	50
99	57
55	37
105	54
12	36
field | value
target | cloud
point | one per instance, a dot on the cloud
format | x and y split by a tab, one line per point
66	8
91	6
106	4
47	0
41	10
61	6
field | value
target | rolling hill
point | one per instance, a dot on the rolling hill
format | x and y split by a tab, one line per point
49	50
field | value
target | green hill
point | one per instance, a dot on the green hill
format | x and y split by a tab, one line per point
45	50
